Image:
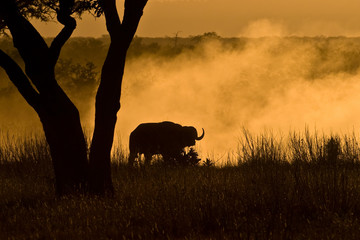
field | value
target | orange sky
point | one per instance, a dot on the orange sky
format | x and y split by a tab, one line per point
235	17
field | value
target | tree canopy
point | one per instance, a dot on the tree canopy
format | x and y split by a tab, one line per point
48	10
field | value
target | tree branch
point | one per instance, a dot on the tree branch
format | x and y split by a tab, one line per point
132	14
25	37
113	22
64	17
19	79
30	44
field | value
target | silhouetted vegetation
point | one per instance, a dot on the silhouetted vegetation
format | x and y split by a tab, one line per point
188	158
79	53
320	59
304	186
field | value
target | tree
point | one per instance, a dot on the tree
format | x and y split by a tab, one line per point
74	170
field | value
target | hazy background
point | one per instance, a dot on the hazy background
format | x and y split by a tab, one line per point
275	82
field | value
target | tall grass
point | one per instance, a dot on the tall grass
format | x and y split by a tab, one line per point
302	186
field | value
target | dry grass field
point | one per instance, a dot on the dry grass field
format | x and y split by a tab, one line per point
304	186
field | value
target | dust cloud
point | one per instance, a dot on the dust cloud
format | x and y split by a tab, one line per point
222	85
279	83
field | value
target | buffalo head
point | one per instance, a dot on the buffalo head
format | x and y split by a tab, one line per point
190	135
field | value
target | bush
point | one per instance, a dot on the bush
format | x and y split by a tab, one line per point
190	158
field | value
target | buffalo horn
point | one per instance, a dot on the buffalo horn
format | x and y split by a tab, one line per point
201	137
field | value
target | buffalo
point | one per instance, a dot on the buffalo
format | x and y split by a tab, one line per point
165	138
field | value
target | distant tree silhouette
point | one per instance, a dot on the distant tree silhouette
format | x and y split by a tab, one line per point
74	170
206	36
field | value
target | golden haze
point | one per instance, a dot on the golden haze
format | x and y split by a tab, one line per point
230	17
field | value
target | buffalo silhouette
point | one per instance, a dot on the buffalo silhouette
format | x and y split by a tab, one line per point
165	138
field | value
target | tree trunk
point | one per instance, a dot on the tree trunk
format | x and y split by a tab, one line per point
109	92
58	115
61	124
107	105
63	132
